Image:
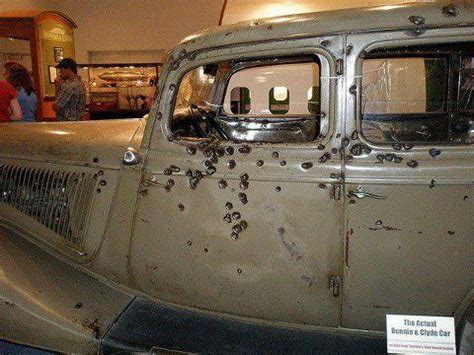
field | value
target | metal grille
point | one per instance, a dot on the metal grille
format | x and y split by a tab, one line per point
59	200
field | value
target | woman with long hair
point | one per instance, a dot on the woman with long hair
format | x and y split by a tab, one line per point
17	75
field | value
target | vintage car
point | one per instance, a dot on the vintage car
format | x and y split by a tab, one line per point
296	180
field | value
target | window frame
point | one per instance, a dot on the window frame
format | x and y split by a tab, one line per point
170	84
415	49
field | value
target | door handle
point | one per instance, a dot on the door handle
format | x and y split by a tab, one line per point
361	193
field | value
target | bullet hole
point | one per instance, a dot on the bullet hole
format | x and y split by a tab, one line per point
412	163
189	173
244	177
349	49
338	135
237	228
434	152
100	172
206	250
234	236
220	152
283	163
170	182
380	158
98	191
244	224
167	171
231	164
193	182
177	136
229	206
353	89
239	271
102	183
78	305
275	155
243	198
390	157
407	146
322	186
207	163
397	146
229	150
244	185
334	150
349	158
451	233
324	158
356	149
222	184
345	142
259	163
170	138
352	202
198	174
211	170
189	243
95	160
321	147
172	86
333	176
278	189
236	215
324	43
244	150
181	207
355	135
378	223
228	218
307	165
397	159
465	198
432	184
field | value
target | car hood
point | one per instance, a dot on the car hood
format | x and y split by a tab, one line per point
79	143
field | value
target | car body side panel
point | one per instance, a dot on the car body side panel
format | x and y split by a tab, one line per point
47	303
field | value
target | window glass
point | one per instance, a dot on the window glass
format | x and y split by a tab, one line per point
466	94
405	99
279	100
240	102
250	101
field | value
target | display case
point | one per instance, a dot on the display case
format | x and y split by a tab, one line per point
119	90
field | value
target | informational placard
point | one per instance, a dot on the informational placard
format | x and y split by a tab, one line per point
420	334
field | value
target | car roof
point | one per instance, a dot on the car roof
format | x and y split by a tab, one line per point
381	18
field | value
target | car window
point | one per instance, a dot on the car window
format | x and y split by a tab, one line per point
251	101
417	96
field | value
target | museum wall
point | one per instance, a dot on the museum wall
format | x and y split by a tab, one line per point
142	27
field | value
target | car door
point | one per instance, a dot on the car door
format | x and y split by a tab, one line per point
409	186
249	224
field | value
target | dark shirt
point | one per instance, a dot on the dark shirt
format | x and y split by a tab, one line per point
71	100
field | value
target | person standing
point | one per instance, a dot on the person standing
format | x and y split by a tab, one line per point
9	107
70	101
17	75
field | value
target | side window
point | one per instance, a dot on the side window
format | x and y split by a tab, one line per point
414	96
251	101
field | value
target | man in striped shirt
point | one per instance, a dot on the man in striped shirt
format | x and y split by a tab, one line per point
70	101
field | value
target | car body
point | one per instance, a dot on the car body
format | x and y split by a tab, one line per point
287	215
